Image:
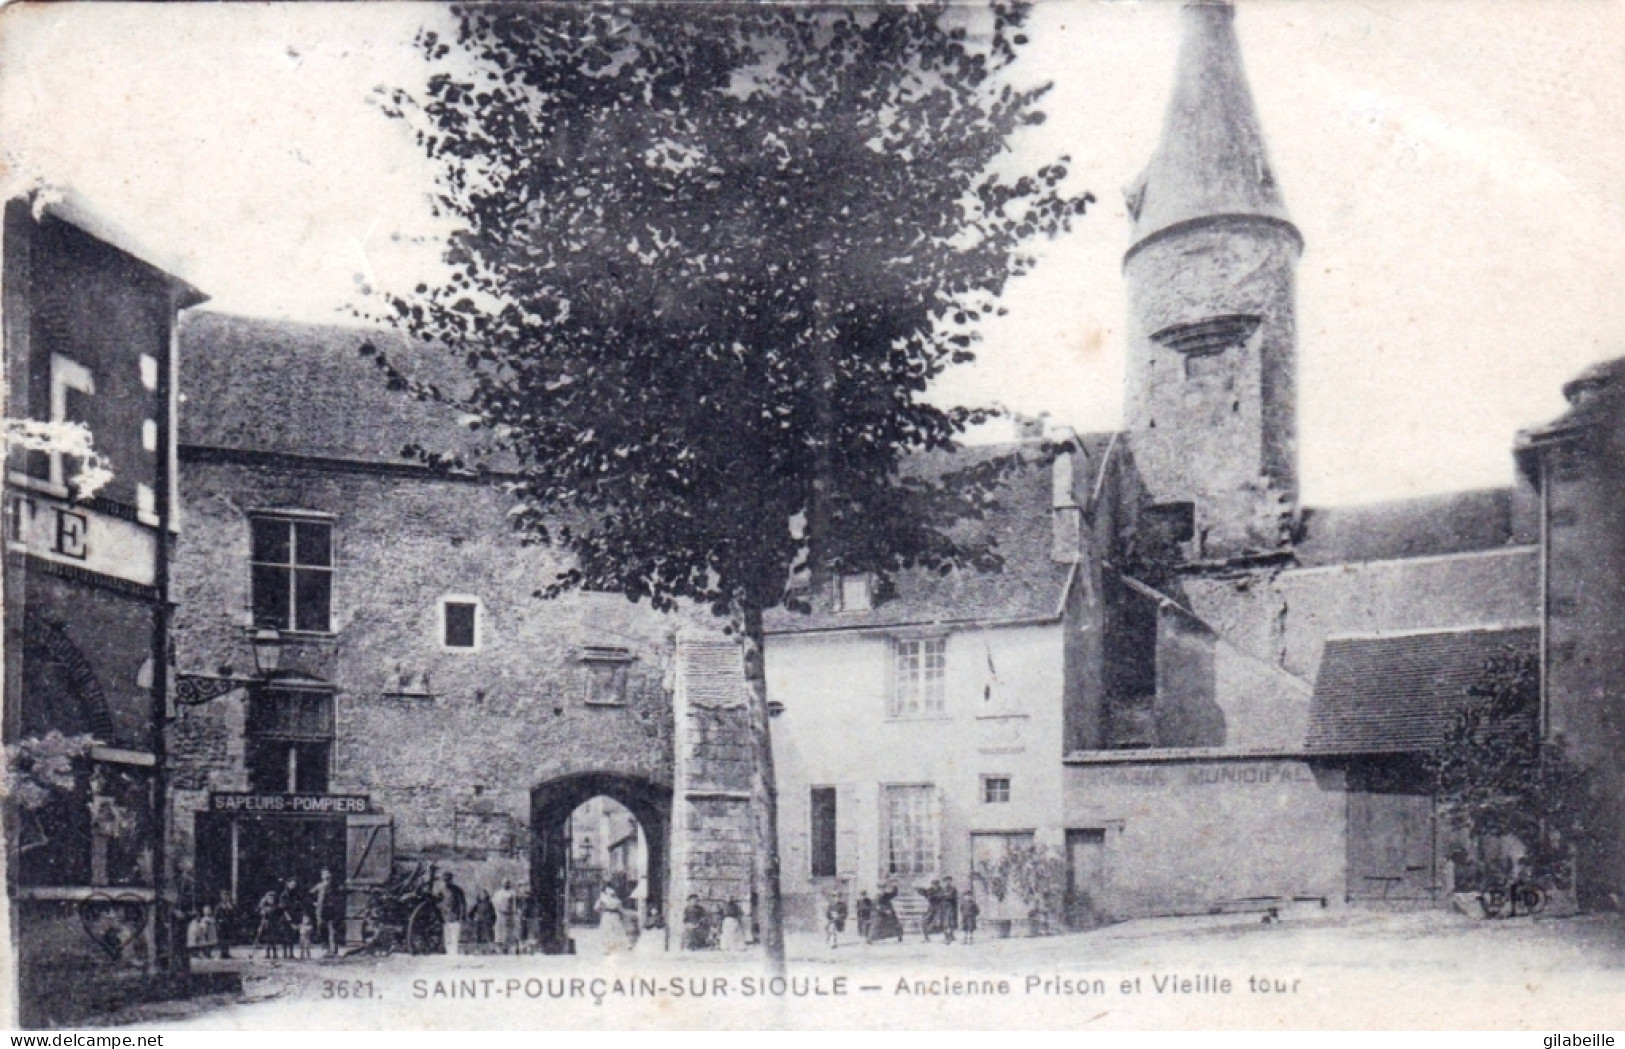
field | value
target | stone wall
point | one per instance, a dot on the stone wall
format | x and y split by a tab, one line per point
1580	461
437	738
1182	836
1217	429
712	852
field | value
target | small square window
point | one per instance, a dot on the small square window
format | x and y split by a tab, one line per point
995	790
460	623
461	619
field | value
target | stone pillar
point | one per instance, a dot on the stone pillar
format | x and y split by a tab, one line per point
711	853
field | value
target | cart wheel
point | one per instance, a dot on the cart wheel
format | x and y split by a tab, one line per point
1530	899
1495	901
423	929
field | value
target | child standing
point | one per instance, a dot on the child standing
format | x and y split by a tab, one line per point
194	936
211	932
968	910
834	919
268	935
307	931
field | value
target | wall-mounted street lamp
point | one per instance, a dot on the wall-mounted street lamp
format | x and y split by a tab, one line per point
267	651
193	690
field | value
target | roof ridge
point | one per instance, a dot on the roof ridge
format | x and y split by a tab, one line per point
1383	635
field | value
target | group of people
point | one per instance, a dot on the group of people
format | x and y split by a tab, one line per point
494	919
619	928
946	912
294	918
721	928
285	920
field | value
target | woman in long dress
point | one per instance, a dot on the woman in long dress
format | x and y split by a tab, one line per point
611	926
733	927
886	925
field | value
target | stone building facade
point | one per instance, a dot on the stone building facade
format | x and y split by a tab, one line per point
1232	704
1577	464
920	738
89	328
426	704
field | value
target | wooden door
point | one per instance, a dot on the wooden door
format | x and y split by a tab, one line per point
1390	847
369	849
1086	876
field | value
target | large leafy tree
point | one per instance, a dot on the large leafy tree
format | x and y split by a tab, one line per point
710	259
1497	776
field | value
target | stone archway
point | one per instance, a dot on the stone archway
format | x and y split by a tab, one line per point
60	687
551	804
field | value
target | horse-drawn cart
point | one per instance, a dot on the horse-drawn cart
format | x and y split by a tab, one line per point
402	915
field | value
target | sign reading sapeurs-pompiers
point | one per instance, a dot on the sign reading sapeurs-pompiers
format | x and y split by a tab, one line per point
290	804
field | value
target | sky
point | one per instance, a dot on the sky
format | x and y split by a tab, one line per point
1456	168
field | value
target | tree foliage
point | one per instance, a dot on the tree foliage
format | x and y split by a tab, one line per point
1496	777
711	257
39	768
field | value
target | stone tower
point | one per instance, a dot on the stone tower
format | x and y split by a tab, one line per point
1212	344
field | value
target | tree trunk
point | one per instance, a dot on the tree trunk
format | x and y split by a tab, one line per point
764	792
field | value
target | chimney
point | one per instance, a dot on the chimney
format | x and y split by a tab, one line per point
1066	516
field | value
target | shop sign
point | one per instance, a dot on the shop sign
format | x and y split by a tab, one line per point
74	534
290	804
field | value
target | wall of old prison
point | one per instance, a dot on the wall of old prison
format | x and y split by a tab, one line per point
448	743
1185	836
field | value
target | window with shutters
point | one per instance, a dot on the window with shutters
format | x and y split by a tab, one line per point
911	830
292	566
823	832
369	849
919	677
290	741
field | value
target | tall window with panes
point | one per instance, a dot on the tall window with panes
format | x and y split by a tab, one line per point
292	569
911	830
290	740
919	677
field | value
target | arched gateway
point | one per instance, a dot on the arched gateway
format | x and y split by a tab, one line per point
551	804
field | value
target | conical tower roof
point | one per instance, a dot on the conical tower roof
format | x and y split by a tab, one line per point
1212	159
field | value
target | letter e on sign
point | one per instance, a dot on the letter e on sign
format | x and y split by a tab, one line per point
70	534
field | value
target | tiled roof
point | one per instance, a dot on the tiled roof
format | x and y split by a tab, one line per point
1452	523
1397	693
1029	586
304	389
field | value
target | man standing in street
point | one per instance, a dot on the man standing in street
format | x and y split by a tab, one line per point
453	911
948	903
503	901
325	902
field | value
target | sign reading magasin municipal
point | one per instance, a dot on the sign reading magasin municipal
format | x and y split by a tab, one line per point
290	804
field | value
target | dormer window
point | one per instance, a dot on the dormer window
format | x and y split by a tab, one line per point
854	593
